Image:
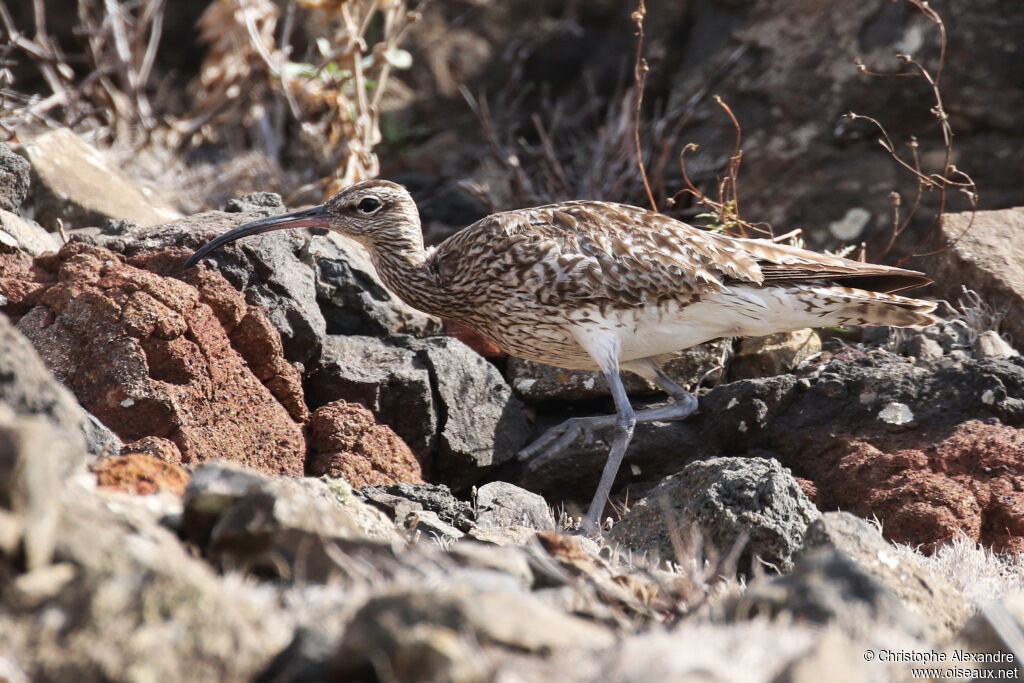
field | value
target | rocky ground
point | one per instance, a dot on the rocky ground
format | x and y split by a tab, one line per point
268	468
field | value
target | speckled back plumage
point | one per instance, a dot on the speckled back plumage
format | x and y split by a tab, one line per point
521	277
531	280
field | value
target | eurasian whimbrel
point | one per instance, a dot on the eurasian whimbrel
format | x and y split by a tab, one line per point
595	285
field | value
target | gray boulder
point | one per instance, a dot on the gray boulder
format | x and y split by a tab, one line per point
401	499
392	381
421	636
28	236
449	404
826	587
749	506
121	582
74	182
14	179
500	504
482	424
937	605
277	526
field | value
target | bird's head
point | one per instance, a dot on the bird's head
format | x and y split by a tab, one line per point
372	212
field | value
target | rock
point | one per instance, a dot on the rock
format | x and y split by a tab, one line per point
275	526
28	388
500	504
419	636
775	354
826	587
74	182
174	357
939	607
504	536
353	299
266	269
347	442
568	480
713	653
162	449
929	486
427	522
393	382
986	259
35	459
508	560
920	346
990	345
482	424
835	658
450	405
398	500
749	501
539	382
986	634
255	201
949	336
22	282
14	180
303	661
122	584
28	236
927	478
140	474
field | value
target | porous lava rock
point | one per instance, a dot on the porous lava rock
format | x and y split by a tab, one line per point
153	446
347	441
183	358
931	447
929	486
140	474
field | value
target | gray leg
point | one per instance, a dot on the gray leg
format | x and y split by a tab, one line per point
625	421
558	438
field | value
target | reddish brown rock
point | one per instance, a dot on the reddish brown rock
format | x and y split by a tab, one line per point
251	332
155	356
161	449
346	441
140	474
21	282
927	486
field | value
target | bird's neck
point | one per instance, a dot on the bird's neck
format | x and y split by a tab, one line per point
402	264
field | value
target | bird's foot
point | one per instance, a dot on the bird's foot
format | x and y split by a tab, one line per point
557	439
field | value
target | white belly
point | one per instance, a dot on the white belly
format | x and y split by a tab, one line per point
739	312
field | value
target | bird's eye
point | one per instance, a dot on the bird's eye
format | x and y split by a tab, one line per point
368	204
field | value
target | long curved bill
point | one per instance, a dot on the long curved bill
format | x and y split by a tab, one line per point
315	217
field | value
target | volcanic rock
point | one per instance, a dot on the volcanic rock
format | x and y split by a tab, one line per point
346	441
170	369
751	507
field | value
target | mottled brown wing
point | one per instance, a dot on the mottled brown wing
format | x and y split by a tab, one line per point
782	263
597	252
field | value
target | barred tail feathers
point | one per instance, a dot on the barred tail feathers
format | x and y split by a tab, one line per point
862	307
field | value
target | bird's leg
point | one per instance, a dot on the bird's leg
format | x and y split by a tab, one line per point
558	438
625	421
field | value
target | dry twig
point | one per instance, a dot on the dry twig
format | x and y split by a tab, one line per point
942	181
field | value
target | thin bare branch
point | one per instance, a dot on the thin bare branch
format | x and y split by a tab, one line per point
640	70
